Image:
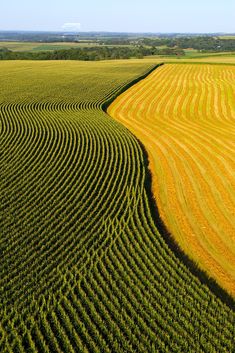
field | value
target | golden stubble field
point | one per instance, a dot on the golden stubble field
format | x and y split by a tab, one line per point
184	115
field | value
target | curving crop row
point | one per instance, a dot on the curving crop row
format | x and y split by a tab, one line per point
184	114
83	266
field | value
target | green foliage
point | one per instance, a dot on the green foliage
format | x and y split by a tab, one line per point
202	43
89	54
83	265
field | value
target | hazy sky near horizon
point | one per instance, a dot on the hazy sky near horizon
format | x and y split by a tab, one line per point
119	16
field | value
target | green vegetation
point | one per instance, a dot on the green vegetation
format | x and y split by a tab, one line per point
39	46
202	43
98	46
101	46
83	265
89	53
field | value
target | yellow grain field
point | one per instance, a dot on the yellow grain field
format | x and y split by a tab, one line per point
185	117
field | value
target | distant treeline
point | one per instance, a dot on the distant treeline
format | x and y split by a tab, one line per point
201	43
89	54
48	37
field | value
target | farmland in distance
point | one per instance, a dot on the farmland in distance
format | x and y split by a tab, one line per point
83	265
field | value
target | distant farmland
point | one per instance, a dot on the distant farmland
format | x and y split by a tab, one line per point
84	267
184	115
39	46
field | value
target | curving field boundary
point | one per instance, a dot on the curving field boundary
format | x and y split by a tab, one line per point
83	265
184	115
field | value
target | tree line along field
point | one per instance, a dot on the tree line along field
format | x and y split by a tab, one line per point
184	115
83	265
38	46
113	48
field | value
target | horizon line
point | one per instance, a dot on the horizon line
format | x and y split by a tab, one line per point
103	31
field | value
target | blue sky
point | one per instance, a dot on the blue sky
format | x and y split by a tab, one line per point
120	16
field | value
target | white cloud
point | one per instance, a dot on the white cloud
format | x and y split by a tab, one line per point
71	27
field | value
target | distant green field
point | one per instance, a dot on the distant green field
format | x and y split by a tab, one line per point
29	46
195	56
193	53
85	264
190	54
227	37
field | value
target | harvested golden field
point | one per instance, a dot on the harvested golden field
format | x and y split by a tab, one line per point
184	115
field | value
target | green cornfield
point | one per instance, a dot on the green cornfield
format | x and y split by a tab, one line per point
83	266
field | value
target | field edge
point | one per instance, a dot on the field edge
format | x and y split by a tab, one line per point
169	238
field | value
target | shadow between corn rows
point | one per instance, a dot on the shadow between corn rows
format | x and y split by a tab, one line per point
202	275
